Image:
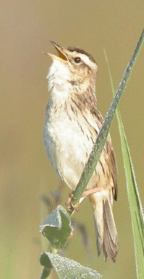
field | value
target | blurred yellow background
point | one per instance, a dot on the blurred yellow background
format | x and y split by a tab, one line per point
25	173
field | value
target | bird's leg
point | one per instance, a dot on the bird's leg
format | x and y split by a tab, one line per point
91	191
84	195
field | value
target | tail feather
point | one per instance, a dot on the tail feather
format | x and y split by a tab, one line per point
107	239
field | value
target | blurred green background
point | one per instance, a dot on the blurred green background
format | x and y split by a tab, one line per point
25	173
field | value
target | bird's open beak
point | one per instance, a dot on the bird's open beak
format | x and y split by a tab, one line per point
61	53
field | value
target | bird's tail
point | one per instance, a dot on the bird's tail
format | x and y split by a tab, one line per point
106	232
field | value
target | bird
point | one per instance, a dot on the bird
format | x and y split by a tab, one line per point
72	124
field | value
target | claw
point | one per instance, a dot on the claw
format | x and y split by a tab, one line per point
69	203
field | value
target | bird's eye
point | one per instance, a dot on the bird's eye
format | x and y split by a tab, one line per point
77	59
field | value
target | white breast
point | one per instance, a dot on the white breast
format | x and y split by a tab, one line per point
67	146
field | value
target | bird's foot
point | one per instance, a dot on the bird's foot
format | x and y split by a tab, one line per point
69	203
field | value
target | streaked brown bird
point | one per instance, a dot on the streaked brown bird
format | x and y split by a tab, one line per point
72	123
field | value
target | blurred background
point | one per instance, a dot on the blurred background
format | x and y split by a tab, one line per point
25	173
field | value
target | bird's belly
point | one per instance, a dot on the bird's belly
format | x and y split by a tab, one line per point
68	149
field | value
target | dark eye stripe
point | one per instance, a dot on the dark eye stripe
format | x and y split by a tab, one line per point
79	50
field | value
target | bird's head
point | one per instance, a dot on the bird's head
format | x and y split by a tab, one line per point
72	65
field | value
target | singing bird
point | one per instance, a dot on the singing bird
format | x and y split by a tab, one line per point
72	124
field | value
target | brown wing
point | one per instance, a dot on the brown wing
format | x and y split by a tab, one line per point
113	166
86	104
111	161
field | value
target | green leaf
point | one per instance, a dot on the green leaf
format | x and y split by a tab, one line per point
67	268
136	209
45	273
45	261
57	227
